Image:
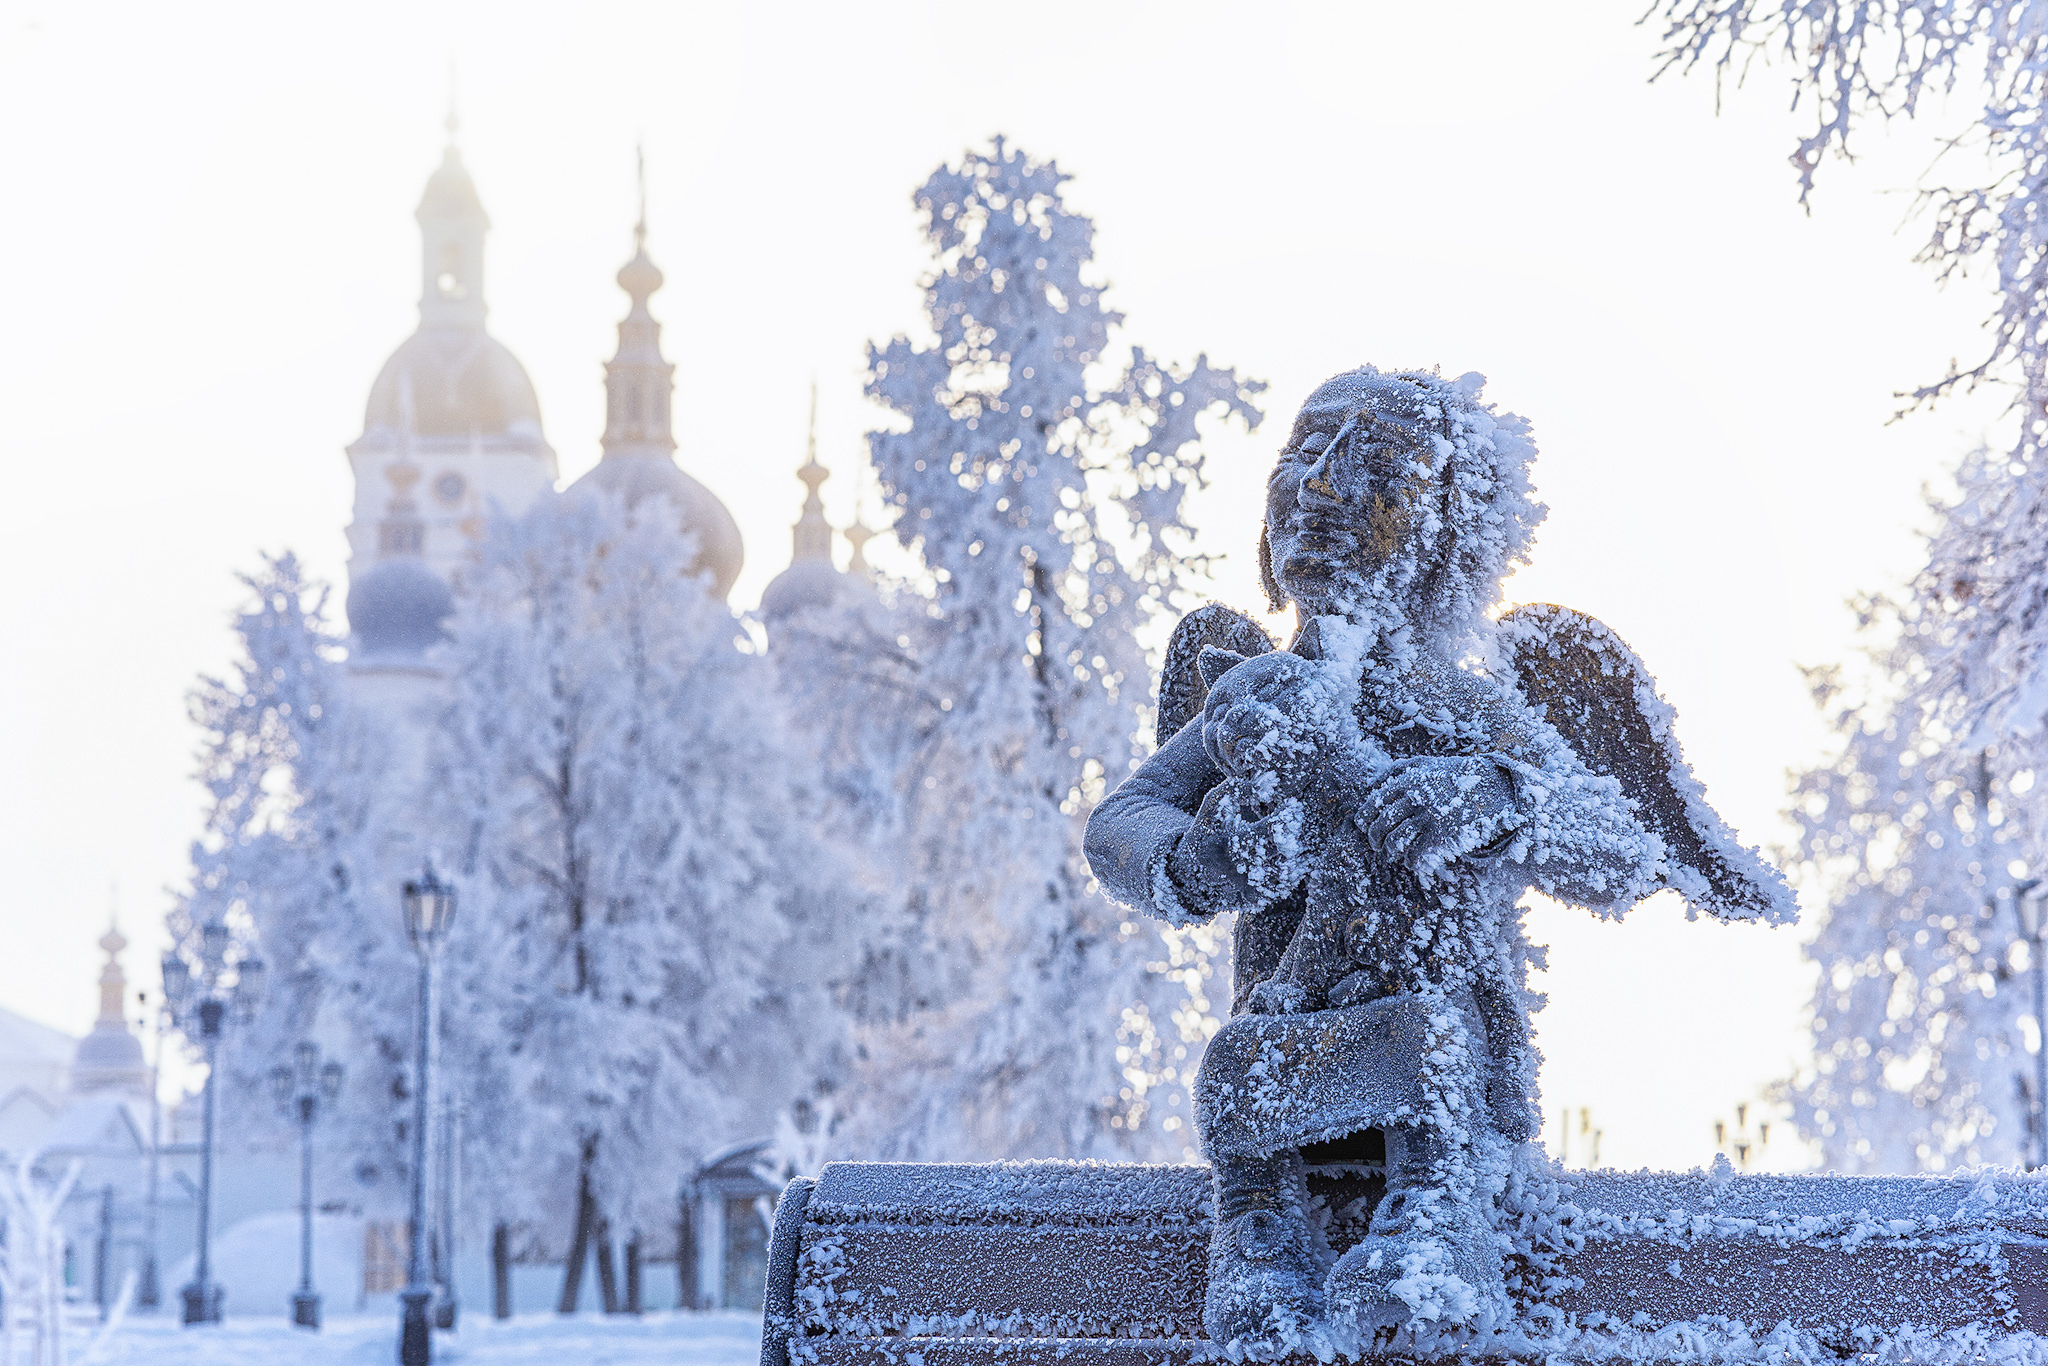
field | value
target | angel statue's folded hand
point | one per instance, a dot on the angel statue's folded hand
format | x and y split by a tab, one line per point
1263	722
1427	811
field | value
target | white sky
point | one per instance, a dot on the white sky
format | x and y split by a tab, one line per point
207	250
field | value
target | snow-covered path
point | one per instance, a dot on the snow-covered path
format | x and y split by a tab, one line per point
361	1340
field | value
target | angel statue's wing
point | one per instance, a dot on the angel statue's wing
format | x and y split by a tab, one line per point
1600	698
1181	688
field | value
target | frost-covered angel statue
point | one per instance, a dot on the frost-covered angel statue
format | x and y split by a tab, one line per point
1372	803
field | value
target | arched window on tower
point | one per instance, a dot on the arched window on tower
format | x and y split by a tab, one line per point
448	280
401	536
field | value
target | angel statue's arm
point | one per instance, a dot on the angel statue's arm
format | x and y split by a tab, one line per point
1160	843
1177	838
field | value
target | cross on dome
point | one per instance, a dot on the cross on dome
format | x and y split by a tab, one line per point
640	277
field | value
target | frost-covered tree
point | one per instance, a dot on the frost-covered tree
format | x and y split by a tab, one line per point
849	682
1924	812
300	798
1917	829
1984	67
630	984
1039	476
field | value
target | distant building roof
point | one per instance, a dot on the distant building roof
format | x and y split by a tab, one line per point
93	1126
736	1170
24	1041
34	1056
25	1115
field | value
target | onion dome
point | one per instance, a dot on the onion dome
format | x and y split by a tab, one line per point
637	478
398	610
105	1051
857	536
801	587
462	383
639	442
640	277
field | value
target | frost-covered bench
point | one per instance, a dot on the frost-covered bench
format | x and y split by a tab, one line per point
1079	1263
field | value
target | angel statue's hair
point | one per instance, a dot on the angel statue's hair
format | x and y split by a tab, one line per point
1457	516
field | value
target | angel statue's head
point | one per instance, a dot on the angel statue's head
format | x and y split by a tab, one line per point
1399	498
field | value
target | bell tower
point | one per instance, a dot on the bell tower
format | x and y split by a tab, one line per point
452	227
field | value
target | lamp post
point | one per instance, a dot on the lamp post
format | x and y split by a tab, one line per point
214	994
2027	906
445	1305
147	1295
300	1089
429	905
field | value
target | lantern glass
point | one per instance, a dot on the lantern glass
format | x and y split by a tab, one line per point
177	981
429	909
281	1084
2026	908
213	943
249	980
307	1057
330	1080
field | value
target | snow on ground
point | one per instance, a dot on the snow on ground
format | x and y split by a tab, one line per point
718	1339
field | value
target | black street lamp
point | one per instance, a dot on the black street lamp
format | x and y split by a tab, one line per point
300	1089
206	999
429	910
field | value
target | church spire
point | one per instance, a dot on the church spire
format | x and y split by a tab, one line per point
638	380
811	539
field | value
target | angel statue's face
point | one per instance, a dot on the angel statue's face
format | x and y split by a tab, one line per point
1337	506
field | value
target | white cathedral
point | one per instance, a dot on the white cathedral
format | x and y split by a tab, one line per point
453	426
